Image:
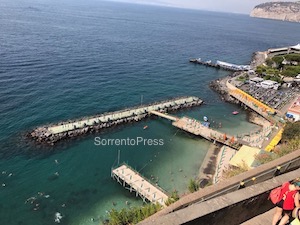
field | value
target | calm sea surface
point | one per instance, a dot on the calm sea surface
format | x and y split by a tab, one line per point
61	60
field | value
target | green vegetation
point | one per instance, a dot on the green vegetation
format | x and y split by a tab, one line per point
290	140
233	170
293	57
132	215
241	78
266	157
291	131
173	198
287	65
193	186
291	71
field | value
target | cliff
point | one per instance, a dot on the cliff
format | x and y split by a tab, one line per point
288	11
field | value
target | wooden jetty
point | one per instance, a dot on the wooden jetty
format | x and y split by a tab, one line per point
197	128
133	181
52	133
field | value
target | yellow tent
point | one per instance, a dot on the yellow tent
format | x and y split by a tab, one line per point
274	141
245	156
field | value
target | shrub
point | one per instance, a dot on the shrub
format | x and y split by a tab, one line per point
173	198
291	131
193	186
266	157
132	215
233	170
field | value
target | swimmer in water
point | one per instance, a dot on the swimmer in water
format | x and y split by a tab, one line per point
56	173
56	161
58	217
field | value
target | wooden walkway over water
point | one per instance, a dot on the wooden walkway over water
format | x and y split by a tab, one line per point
197	128
133	181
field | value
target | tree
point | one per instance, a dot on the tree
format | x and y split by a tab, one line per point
291	131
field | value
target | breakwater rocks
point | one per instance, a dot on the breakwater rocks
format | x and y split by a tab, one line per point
220	87
53	133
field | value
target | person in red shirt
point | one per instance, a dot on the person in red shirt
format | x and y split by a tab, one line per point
287	204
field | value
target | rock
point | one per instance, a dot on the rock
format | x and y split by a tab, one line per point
287	11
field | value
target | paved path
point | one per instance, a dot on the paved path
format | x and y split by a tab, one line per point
223	159
169	117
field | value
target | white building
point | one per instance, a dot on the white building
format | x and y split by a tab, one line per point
268	84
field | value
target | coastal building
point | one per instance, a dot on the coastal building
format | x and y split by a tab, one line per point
293	112
283	51
268	84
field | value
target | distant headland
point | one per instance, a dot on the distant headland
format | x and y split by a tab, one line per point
286	11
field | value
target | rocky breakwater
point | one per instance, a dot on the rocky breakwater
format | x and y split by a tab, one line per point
53	133
219	85
287	11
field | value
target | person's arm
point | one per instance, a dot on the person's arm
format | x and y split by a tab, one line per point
297	199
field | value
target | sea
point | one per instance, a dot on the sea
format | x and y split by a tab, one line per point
64	59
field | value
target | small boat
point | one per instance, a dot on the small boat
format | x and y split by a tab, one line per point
235	112
145	127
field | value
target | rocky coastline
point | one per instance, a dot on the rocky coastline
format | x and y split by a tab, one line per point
208	167
286	11
219	85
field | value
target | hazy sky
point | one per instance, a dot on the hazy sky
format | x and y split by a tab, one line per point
236	6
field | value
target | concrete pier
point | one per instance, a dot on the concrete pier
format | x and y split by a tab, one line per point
52	133
205	63
197	128
221	65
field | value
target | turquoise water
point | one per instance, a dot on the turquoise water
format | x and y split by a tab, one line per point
67	59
